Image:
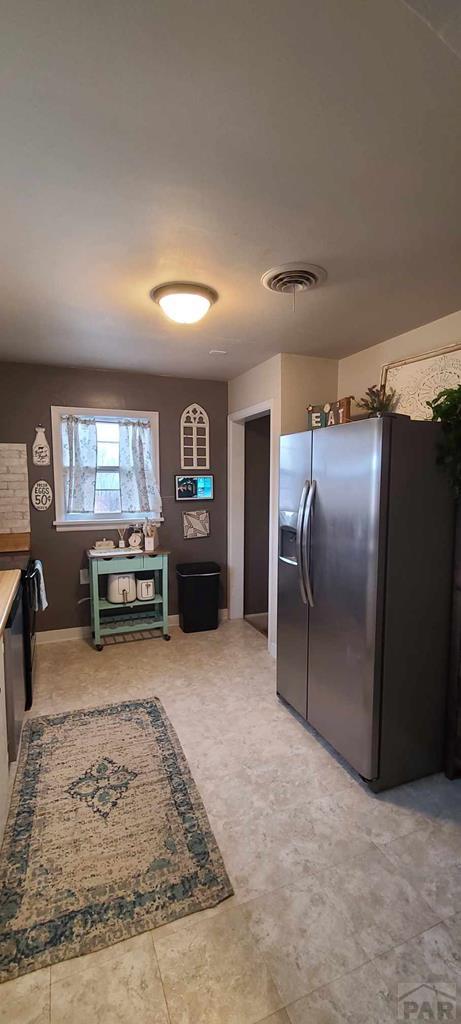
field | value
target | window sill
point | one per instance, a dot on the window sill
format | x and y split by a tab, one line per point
90	525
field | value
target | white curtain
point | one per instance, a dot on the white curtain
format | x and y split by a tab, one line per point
79	444
138	487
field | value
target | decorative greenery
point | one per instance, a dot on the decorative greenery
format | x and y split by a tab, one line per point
377	400
446	408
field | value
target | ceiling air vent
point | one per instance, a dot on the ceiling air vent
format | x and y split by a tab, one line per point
293	277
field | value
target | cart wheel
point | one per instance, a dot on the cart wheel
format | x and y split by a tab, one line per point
99	647
166	636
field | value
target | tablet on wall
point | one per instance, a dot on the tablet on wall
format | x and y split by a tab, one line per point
194	488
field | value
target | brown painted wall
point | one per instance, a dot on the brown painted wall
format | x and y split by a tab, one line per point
26	394
257	477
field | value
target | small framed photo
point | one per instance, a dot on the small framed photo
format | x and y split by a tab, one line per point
194	488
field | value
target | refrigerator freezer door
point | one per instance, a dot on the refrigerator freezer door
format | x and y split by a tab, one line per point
292	620
345	569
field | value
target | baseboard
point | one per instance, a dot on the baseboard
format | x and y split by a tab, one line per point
55	636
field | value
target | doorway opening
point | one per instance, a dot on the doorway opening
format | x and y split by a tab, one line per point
256	522
236	511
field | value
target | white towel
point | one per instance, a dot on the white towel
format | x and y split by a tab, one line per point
40	599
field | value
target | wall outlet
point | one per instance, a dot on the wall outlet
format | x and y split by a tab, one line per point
84	577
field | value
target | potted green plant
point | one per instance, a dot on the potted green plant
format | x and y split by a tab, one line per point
377	400
446	409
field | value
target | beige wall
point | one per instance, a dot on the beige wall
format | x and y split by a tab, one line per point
357	372
291	382
305	380
285	382
256	385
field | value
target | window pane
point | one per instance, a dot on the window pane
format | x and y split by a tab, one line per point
108	453
114	464
107	481
65	443
107	501
107	431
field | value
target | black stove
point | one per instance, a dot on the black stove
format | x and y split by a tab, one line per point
22	560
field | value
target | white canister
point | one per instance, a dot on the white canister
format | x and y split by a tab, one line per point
145	589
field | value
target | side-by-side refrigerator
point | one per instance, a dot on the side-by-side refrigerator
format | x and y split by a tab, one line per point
364	592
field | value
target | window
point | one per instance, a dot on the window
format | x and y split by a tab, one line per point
106	467
195	453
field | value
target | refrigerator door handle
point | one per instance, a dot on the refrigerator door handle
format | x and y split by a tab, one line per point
299	536
305	528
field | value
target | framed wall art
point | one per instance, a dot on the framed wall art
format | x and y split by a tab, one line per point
194	488
419	379
196	524
195	438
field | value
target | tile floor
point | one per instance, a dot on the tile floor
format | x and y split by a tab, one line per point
340	896
259	621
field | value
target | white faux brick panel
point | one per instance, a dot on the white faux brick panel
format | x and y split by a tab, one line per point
14	452
16	511
7	517
14	489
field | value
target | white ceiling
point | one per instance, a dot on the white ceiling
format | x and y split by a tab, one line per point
143	141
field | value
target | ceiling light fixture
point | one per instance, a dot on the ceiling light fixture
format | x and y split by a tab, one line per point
184	302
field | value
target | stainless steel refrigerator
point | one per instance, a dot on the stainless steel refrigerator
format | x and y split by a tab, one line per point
364	592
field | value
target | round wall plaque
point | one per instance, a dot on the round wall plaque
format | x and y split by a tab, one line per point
41	495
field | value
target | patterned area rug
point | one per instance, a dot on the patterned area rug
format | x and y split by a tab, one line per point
106	837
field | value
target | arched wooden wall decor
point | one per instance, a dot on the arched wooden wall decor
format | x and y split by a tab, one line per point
195	438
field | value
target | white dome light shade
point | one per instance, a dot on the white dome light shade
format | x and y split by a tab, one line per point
184	308
183	302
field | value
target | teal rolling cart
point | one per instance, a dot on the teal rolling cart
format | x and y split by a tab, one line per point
107	618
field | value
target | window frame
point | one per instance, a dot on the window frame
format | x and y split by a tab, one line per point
66	521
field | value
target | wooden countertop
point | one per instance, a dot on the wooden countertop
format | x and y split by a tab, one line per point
124	552
9	583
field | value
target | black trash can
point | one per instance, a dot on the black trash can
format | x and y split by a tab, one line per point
198	595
